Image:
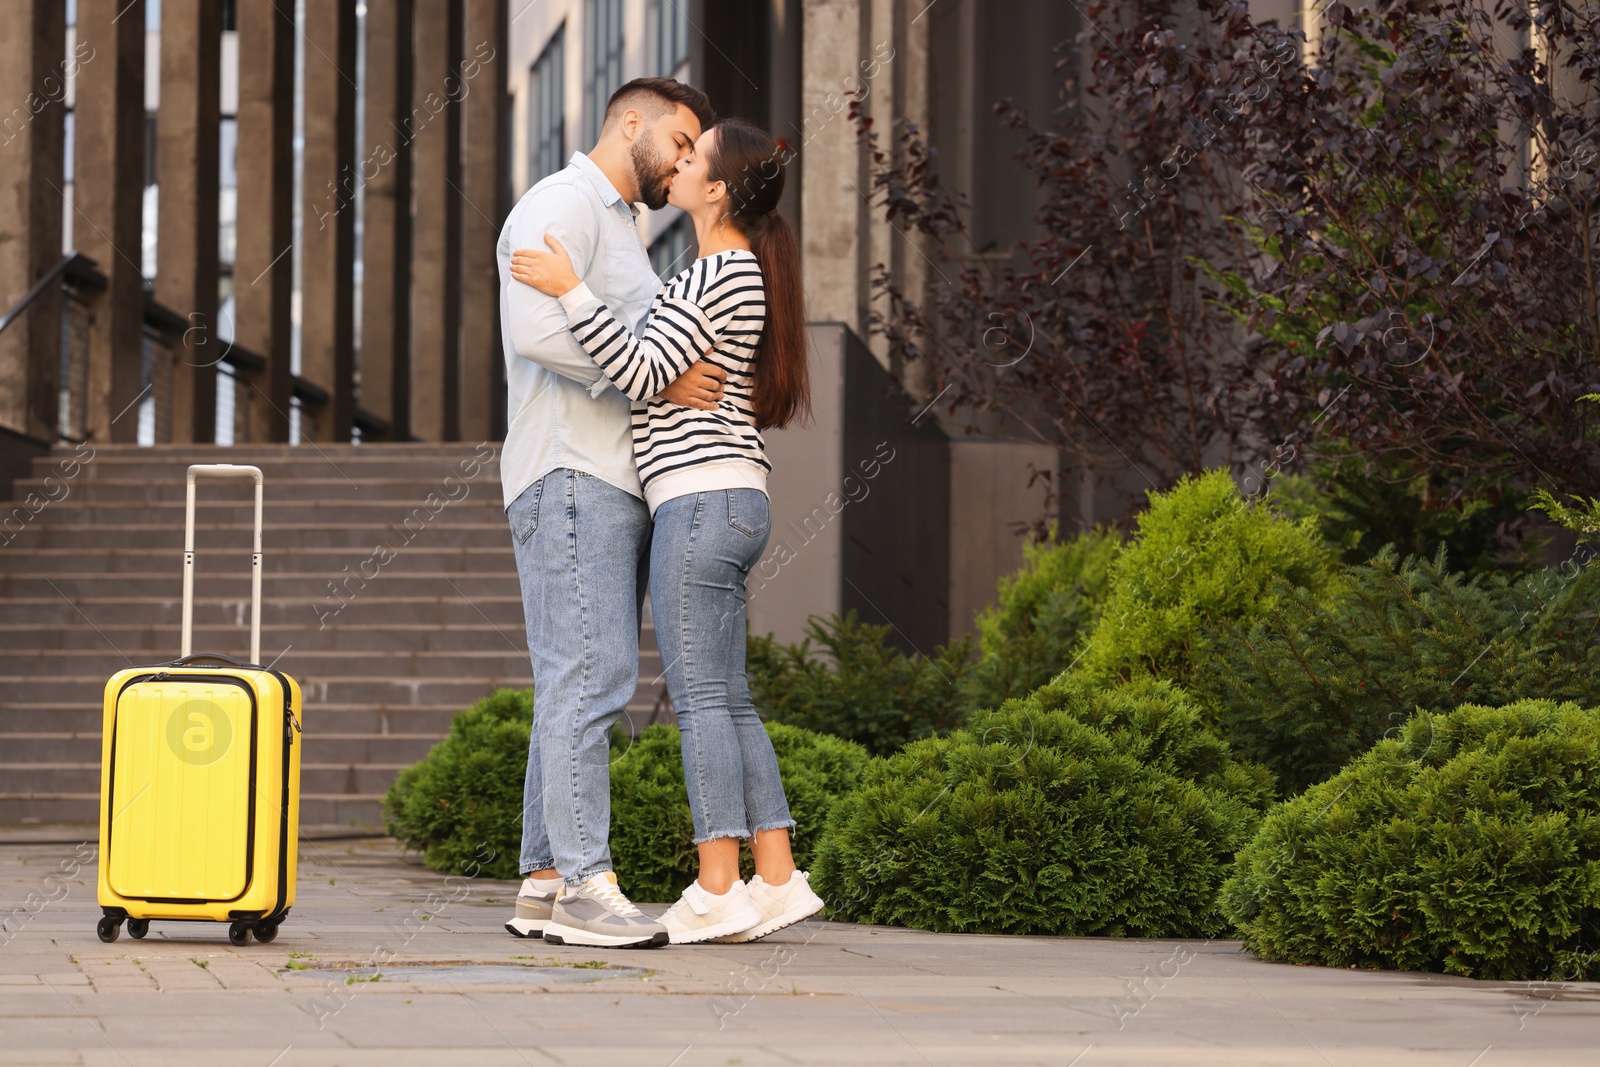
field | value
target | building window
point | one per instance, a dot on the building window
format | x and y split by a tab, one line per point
669	36
674	249
547	106
602	55
228	199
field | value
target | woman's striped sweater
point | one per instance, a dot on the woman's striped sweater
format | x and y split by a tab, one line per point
713	310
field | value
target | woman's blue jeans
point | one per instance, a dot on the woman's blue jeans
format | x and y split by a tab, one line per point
703	547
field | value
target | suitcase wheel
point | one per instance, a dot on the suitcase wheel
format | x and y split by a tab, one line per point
108	929
239	932
137	928
266	931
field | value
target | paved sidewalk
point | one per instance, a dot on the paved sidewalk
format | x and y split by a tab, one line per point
454	988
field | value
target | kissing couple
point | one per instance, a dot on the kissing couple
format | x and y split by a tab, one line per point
633	459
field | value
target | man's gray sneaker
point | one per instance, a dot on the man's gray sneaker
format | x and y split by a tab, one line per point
597	914
533	911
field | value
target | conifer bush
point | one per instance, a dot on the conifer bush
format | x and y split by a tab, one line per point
652	834
1042	615
461	805
1202	555
855	685
1468	844
1317	681
1075	810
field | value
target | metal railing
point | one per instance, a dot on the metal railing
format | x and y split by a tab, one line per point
75	278
163	341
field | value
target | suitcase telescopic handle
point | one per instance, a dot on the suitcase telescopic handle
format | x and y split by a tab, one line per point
221	470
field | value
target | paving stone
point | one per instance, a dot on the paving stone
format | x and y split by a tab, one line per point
820	993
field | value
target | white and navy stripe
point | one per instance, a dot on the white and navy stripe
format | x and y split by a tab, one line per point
714	310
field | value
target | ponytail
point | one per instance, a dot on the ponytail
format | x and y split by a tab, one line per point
782	387
751	164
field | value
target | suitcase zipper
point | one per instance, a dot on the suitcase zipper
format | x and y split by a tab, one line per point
290	725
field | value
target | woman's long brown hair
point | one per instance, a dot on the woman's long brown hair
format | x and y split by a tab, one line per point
752	165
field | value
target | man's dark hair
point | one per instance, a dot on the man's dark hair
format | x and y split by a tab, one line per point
654	97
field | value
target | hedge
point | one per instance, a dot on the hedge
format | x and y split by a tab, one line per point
1073	811
1469	844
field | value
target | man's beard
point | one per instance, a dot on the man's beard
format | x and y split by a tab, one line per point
653	173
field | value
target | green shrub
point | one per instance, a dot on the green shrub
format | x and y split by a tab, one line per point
1469	844
1202	554
1315	682
461	806
863	689
1044	612
1072	811
652	834
1360	510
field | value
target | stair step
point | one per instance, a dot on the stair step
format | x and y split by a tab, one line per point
321	809
275	538
382	690
392	486
327	590
166	561
328	748
50	779
83	716
86	665
504	612
153	643
168	515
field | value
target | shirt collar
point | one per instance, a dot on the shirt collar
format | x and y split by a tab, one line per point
597	178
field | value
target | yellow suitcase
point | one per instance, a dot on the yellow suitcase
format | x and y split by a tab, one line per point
200	778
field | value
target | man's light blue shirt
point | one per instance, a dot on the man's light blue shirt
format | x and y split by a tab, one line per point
555	420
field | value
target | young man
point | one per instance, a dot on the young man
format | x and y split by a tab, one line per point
579	524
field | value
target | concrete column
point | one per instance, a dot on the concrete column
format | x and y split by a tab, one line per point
385	356
881	100
327	214
32	92
264	266
484	151
434	126
834	245
108	190
784	45
188	125
908	75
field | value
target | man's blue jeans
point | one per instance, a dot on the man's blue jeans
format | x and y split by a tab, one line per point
582	548
701	551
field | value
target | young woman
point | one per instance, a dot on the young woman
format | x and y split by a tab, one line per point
705	472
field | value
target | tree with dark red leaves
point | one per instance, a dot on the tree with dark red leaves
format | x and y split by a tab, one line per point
1383	248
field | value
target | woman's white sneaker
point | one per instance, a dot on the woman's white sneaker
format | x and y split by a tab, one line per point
701	916
779	905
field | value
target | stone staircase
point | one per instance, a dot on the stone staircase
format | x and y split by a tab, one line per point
387	644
